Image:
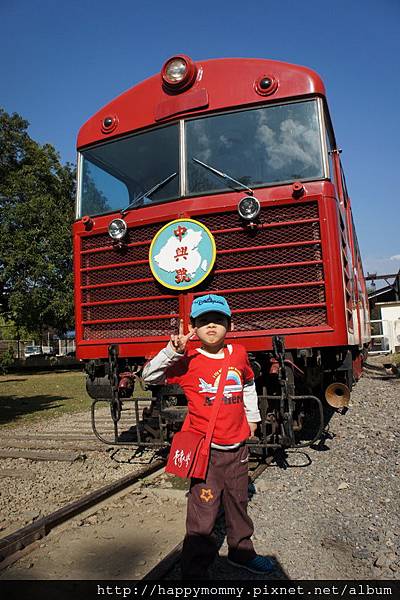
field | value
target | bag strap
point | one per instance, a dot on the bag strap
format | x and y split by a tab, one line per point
217	402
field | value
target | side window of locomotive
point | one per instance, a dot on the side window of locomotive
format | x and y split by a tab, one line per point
330	147
344	186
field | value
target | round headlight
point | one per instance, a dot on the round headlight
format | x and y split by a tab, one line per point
117	229
249	208
175	70
178	74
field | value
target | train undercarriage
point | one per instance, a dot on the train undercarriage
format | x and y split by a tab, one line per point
298	392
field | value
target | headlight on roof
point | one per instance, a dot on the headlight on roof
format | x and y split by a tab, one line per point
117	229
176	70
178	73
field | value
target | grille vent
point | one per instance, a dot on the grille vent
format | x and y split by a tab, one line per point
272	276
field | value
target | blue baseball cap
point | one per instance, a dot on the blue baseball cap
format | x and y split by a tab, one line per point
210	303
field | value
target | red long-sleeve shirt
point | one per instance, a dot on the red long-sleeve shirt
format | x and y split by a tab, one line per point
197	372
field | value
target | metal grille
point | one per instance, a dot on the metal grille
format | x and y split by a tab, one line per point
129	329
130	309
272	214
272	256
283	234
115	255
148	306
246	259
309	317
237	269
276	298
142	234
245	279
116	274
121	292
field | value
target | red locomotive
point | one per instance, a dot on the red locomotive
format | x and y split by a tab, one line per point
220	176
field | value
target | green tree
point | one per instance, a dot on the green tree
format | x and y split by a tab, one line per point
10	331
95	201
36	212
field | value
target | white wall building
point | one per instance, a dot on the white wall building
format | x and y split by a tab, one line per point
390	315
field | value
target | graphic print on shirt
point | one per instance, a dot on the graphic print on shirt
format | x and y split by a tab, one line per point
232	391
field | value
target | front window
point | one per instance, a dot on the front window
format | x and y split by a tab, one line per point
115	174
263	146
258	147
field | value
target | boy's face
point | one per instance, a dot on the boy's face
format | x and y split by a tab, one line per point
211	328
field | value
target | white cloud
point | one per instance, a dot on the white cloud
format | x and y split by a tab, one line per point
379	265
292	142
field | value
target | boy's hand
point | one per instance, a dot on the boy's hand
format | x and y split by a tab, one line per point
253	427
178	342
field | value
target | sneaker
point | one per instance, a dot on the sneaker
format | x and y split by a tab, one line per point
258	564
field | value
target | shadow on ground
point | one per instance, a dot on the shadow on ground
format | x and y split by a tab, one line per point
14	407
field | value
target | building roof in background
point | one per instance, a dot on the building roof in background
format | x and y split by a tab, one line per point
388	293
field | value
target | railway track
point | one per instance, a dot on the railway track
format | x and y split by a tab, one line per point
56	445
13	545
53	471
19	543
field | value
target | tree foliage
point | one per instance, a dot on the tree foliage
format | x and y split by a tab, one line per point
36	212
95	201
9	330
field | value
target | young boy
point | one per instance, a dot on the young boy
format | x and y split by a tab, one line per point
197	372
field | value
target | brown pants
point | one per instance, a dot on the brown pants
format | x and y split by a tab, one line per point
227	480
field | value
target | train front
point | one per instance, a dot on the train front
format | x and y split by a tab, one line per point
208	177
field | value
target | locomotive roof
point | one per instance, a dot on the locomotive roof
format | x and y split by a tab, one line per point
220	84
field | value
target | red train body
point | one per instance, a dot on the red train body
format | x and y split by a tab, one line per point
293	270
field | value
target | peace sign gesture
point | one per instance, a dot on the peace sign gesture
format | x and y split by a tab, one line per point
178	342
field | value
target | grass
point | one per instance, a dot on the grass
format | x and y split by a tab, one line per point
31	398
396	358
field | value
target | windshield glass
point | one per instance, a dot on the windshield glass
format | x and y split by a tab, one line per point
273	144
258	147
114	174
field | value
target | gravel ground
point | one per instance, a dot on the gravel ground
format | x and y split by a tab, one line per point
31	489
326	513
338	517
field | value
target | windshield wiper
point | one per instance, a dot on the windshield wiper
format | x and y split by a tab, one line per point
149	192
223	175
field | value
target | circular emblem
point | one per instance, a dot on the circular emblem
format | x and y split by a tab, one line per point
182	254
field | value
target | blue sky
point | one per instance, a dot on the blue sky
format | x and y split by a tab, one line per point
62	61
